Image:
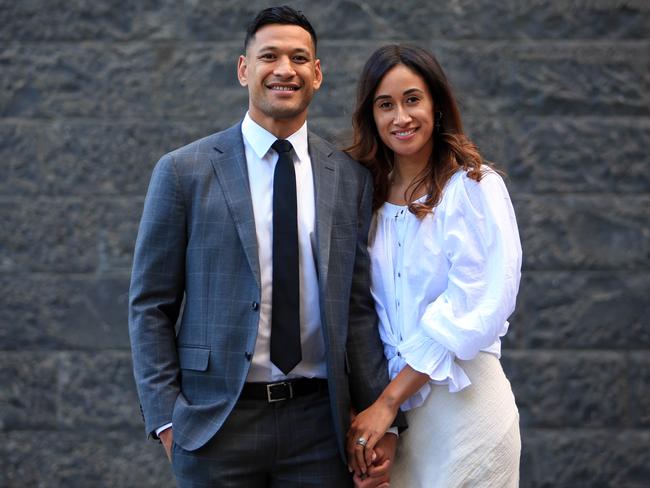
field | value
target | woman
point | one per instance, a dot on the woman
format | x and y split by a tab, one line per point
446	259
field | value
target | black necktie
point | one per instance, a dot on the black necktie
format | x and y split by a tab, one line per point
285	311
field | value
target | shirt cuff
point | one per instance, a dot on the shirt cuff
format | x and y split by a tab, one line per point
162	428
393	430
427	356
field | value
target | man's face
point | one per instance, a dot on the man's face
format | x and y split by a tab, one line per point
282	73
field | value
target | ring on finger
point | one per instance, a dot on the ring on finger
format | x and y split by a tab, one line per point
362	441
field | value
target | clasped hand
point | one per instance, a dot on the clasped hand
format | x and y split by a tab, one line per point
375	458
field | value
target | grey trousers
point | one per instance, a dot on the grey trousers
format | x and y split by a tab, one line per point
281	445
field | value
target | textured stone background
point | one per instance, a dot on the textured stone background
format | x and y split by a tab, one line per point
92	93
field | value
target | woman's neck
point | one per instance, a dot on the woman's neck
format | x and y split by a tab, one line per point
405	172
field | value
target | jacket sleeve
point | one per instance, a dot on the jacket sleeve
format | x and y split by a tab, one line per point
156	294
368	365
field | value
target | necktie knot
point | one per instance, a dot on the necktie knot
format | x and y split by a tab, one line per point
282	146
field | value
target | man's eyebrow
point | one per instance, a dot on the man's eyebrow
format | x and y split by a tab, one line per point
271	47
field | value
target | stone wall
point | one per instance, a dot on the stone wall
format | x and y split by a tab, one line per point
92	93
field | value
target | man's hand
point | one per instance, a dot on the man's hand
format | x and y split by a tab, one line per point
166	437
378	475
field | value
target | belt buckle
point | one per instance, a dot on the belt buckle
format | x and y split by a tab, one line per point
271	386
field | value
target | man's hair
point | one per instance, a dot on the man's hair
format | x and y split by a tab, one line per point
278	15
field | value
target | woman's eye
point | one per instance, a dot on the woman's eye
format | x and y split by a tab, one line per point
412	100
385	105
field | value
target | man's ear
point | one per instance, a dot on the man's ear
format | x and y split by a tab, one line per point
242	70
318	78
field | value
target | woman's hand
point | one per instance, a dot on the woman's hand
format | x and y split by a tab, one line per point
369	425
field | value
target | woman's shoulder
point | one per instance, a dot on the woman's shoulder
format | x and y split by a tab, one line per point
463	181
464	189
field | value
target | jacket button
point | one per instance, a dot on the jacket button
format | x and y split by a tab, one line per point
248	355
255	305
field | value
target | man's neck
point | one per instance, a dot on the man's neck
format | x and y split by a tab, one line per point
280	128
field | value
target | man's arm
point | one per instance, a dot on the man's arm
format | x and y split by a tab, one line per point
156	294
368	366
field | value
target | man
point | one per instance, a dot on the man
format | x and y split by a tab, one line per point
261	229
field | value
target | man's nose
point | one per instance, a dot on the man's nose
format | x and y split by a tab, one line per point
284	68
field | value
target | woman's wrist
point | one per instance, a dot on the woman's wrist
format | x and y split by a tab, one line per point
389	401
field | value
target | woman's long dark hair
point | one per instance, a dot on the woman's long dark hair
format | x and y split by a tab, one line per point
451	148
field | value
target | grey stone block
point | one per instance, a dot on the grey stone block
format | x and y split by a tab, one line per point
585	459
48	235
54	312
638	369
100	459
568	389
583	310
343	19
469	19
81	158
119	228
159	81
29	391
577	154
77	20
227	20
530	78
584	232
97	390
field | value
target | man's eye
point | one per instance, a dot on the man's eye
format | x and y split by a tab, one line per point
300	59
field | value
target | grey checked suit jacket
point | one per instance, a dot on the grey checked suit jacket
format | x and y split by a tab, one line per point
197	242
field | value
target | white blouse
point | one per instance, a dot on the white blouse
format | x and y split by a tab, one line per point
445	285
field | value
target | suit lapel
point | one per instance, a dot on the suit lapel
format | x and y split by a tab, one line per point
325	175
229	164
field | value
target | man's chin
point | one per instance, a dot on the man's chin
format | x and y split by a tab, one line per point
281	111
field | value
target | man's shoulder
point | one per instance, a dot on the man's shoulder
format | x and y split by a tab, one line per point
206	146
321	146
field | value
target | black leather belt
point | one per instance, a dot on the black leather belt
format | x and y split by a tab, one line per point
283	390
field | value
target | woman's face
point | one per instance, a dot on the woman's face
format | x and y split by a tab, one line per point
403	113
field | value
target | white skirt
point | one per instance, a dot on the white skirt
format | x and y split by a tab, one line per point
465	439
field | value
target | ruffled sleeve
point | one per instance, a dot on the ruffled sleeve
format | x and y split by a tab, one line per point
426	355
481	242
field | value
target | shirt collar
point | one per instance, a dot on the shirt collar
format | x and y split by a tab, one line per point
260	140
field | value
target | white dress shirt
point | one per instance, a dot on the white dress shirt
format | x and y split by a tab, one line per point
261	160
445	285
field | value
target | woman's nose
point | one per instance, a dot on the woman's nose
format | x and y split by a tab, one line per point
402	116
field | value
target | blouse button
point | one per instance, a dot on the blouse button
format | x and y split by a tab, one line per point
399	275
